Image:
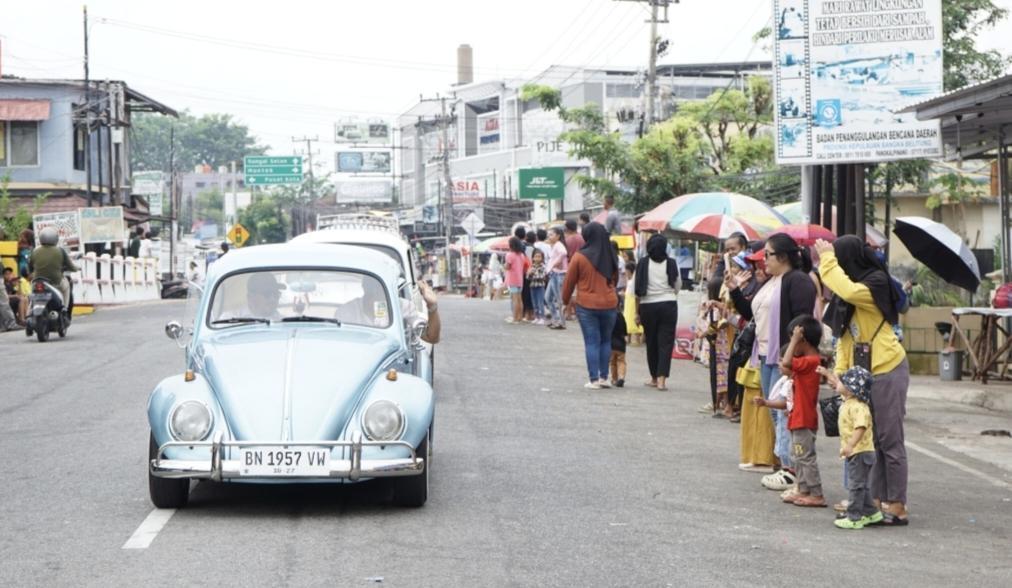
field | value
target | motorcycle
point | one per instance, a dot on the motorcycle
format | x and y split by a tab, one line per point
47	312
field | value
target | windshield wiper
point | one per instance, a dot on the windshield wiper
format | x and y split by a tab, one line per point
240	320
310	319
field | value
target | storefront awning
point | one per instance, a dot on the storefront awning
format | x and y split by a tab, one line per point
11	109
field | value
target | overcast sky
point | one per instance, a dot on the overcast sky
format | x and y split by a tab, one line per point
291	68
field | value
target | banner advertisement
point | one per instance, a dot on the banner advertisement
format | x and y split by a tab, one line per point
488	132
102	225
468	192
373	191
544	183
843	68
65	223
366	132
364	162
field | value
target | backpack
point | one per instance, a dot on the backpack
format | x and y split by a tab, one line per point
902	304
1003	296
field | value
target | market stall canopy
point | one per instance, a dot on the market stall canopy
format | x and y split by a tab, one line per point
676	211
941	250
496	244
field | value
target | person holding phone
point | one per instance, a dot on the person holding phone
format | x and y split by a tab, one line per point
864	302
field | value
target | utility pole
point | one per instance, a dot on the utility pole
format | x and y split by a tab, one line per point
651	81
312	188
87	109
648	115
172	203
449	188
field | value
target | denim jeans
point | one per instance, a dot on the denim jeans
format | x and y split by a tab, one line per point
769	374
553	298
538	300
596	326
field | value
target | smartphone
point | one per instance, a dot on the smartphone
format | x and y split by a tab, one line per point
862	355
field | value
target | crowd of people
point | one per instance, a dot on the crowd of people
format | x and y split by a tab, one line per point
775	327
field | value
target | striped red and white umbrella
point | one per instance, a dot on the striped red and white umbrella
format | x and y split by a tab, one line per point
715	226
808	234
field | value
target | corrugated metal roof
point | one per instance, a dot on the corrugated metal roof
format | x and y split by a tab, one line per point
966	91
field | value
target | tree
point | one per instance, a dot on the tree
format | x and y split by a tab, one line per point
15	217
701	147
964	63
214	139
209	207
265	220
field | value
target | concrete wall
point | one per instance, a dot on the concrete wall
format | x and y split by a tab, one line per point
56	136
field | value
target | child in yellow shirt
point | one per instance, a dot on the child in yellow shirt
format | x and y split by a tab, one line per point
857	446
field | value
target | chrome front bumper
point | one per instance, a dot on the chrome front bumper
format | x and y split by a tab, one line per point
219	469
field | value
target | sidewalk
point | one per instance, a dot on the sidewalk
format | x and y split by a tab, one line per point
995	396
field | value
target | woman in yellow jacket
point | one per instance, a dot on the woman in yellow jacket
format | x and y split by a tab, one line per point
862	312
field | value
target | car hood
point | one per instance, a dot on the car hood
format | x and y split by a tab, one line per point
293	383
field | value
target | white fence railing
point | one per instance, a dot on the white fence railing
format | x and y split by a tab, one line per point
123	279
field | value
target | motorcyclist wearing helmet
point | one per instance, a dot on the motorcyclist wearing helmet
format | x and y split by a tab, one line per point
49	261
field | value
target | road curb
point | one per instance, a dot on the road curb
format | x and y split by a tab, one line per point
996	397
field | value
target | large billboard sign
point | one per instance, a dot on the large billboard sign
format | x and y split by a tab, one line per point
364	162
362	132
842	70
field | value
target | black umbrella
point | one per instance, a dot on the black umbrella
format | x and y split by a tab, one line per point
941	250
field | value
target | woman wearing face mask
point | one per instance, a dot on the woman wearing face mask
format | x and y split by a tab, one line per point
864	302
657	283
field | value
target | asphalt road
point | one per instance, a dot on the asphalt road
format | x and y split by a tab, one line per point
536	482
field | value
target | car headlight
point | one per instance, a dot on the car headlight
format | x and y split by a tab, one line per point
190	421
383	420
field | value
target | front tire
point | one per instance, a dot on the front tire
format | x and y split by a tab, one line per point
42	331
165	492
413	491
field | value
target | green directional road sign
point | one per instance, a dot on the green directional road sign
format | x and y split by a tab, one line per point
265	170
542	183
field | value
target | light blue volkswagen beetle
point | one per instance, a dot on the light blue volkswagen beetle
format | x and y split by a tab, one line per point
303	365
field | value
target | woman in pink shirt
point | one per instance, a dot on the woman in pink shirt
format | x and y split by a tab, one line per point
558	262
516	266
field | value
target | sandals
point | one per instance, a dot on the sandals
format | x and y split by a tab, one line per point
890	520
810	501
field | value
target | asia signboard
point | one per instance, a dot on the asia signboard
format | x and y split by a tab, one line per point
468	192
364	132
102	225
842	70
542	183
364	162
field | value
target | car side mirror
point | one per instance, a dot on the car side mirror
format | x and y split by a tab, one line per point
417	329
174	330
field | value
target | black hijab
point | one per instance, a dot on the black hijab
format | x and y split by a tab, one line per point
858	261
657	248
599	251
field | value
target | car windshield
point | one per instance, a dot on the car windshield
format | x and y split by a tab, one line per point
266	297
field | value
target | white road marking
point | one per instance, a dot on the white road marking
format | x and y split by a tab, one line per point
994	481
149	528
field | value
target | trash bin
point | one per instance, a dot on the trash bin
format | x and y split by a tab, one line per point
950	365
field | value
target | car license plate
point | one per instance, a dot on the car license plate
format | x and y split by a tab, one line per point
282	461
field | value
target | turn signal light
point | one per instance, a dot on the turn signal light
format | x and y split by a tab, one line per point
188	376
392	375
